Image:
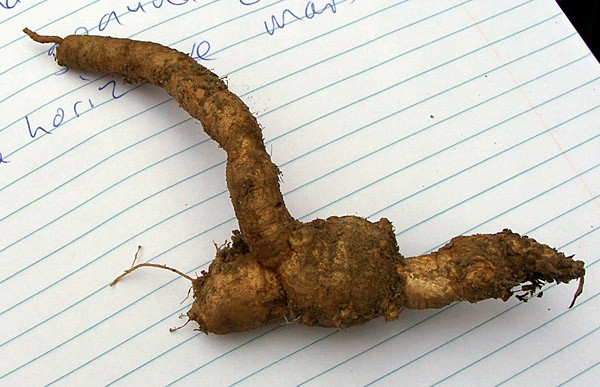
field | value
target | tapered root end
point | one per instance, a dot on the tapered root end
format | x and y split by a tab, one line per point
42	38
477	267
533	264
517	260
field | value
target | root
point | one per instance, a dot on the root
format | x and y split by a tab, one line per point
42	38
335	272
128	271
287	321
135	257
264	220
188	294
578	291
133	268
478	267
179	327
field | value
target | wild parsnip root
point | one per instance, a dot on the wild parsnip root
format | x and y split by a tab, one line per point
337	272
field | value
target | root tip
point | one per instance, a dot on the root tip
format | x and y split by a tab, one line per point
577	292
42	38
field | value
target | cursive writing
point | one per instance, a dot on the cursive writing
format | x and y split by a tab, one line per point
6	4
106	19
76	109
156	4
308	12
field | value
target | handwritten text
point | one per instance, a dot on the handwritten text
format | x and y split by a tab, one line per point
7	4
200	50
75	110
308	12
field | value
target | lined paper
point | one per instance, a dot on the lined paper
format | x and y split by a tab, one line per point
448	117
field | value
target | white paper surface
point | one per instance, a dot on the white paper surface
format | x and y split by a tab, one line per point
447	117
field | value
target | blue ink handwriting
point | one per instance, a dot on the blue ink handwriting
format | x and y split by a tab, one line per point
157	4
310	11
6	5
114	87
200	51
78	108
35	132
106	18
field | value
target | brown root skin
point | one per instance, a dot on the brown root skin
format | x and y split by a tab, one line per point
42	38
479	267
252	179
345	271
337	272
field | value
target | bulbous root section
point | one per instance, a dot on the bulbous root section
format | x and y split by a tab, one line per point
360	275
337	272
346	270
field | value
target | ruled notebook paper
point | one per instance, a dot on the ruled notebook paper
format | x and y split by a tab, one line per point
447	117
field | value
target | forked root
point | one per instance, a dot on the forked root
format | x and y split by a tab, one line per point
175	329
135	267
